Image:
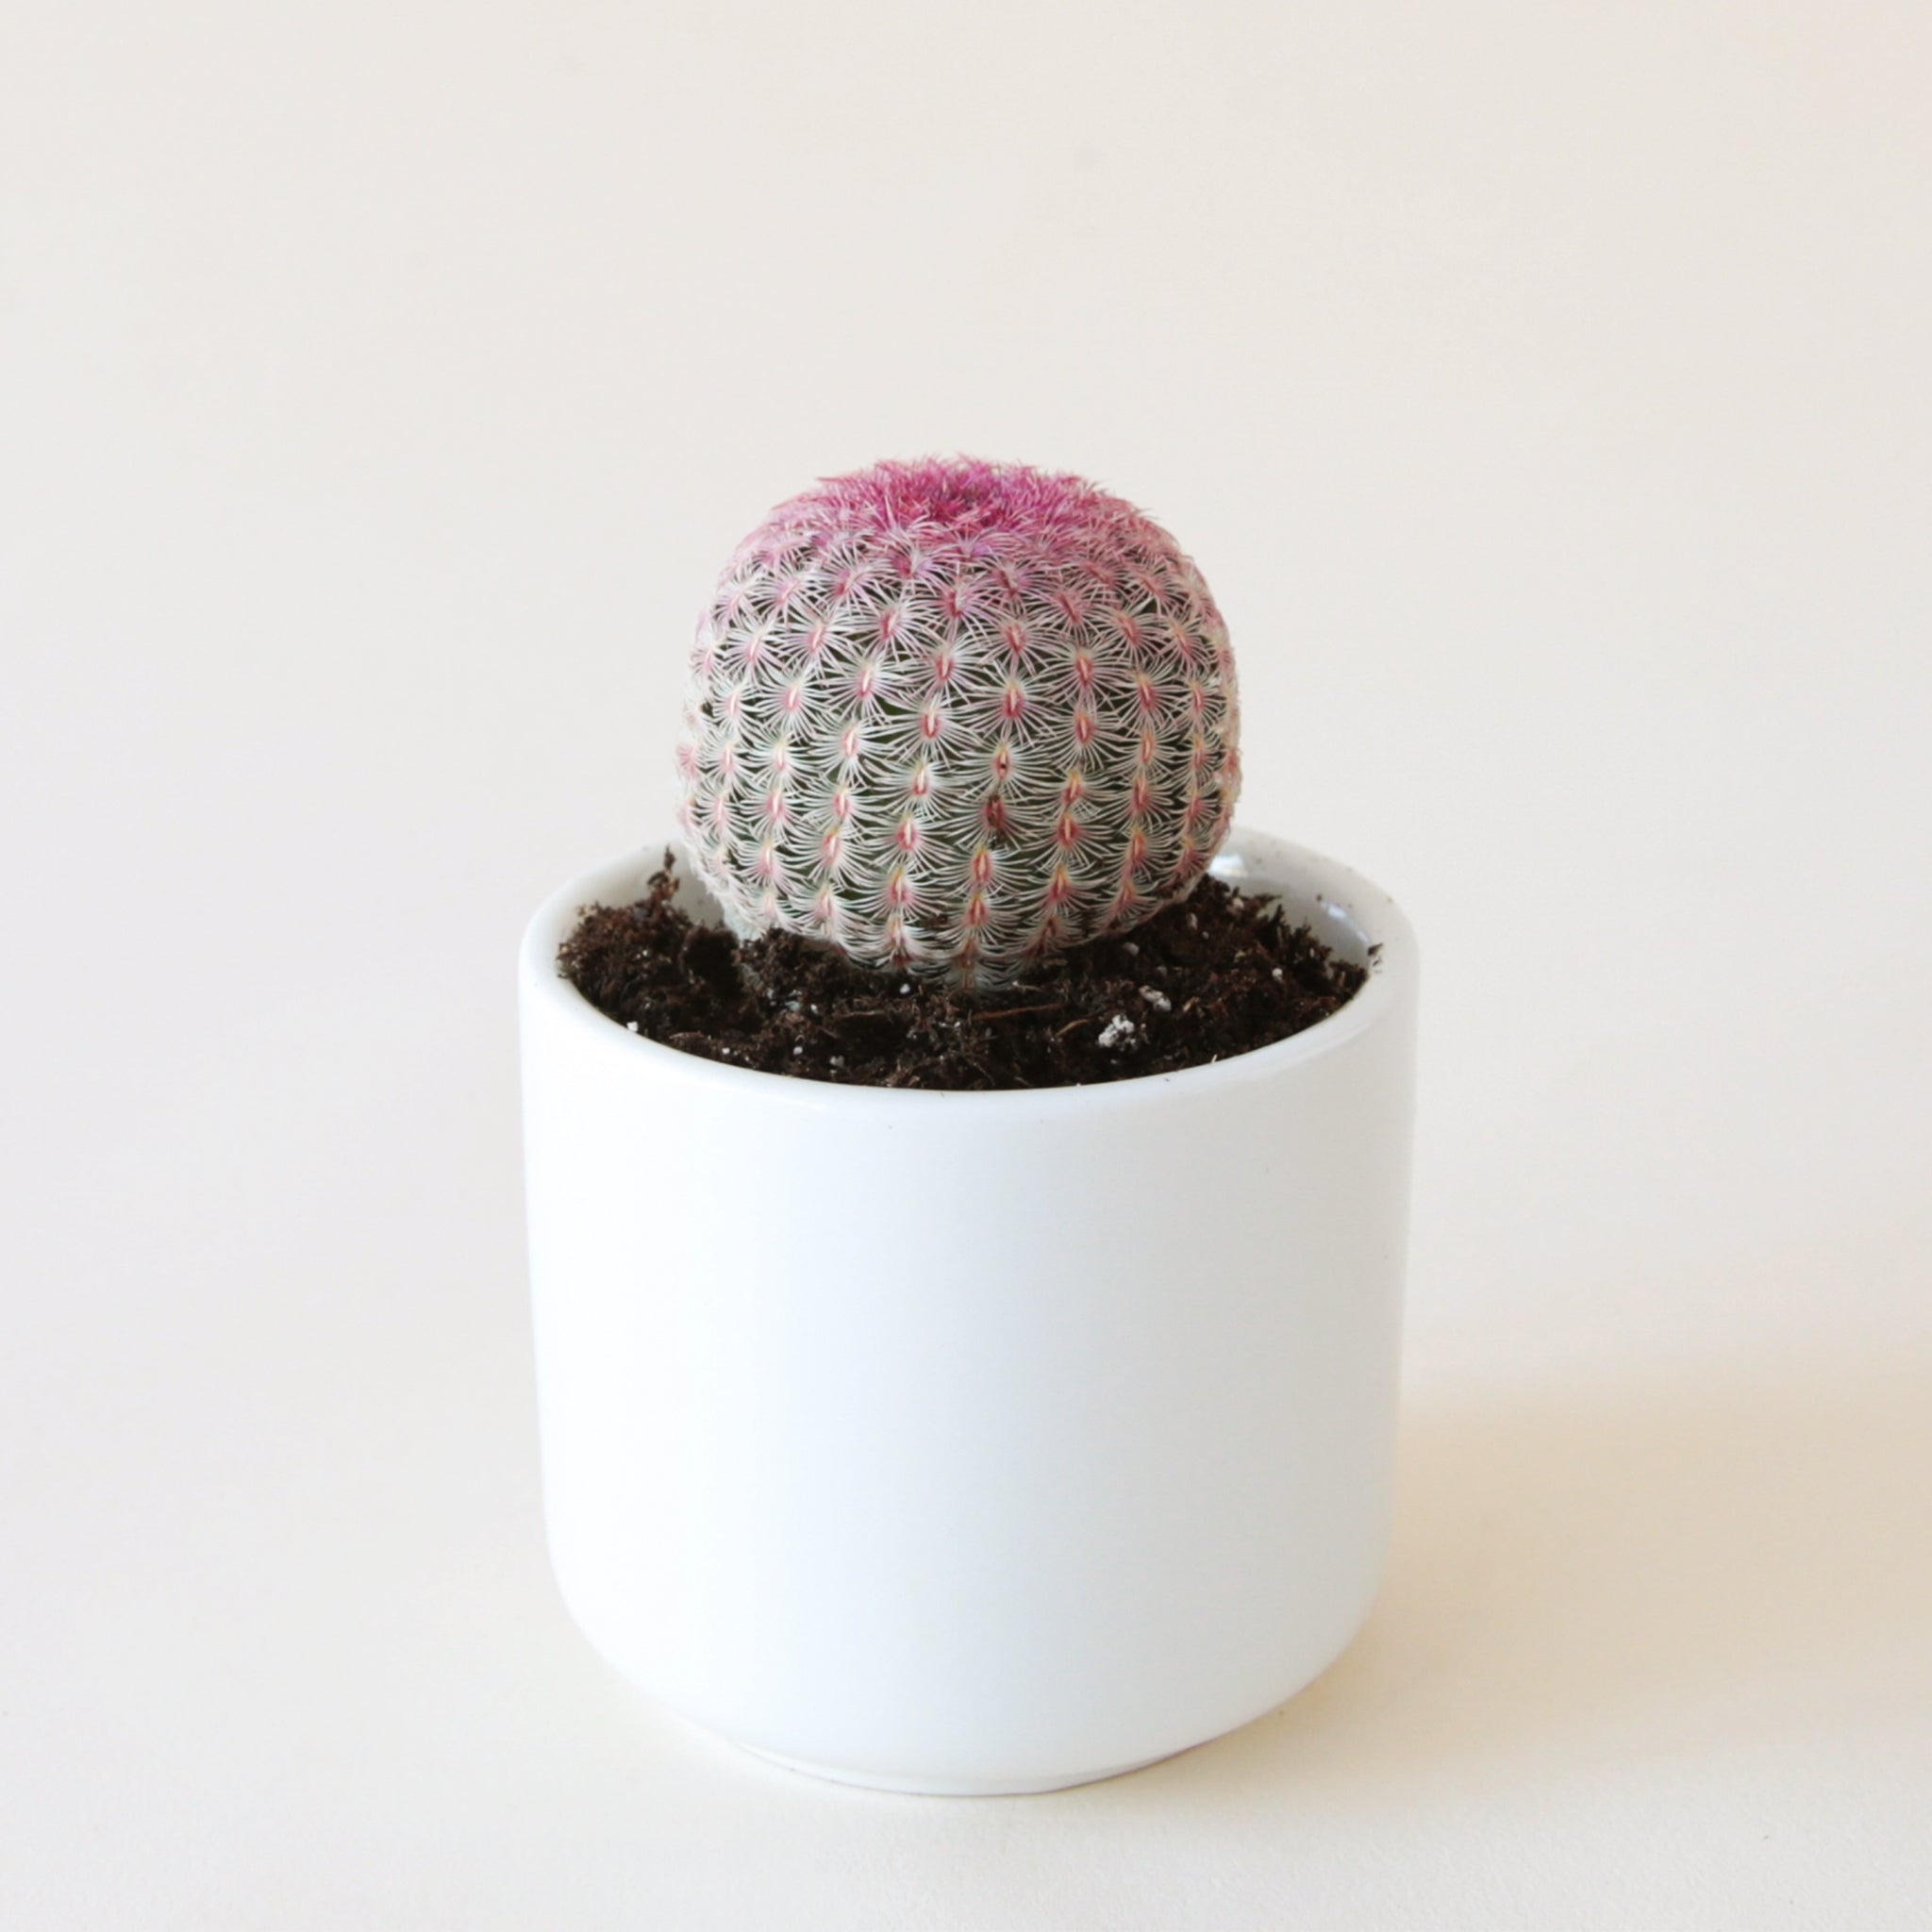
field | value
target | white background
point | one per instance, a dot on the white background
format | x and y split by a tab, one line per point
1546	390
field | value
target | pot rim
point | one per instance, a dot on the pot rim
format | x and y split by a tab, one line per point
1361	914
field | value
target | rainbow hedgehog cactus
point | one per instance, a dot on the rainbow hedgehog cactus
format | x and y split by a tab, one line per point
952	716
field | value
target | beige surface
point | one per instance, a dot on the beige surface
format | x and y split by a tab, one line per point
1543	388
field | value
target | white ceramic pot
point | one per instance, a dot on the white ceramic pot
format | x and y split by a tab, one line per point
971	1442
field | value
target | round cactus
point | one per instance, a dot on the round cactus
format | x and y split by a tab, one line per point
952	715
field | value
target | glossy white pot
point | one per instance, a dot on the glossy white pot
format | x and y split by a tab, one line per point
971	1442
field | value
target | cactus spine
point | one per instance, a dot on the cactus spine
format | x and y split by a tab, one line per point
952	715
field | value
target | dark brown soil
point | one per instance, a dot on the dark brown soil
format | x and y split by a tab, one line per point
1215	976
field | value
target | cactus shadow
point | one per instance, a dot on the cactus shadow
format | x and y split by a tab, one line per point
1622	1570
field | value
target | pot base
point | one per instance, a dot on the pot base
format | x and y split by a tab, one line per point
966	1787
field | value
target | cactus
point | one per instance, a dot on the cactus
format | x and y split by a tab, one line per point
950	716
